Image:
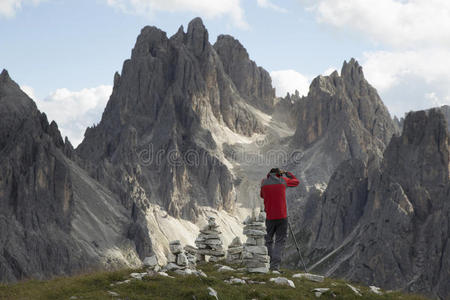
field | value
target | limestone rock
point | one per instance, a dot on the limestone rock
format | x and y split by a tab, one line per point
253	82
308	276
283	281
394	210
150	261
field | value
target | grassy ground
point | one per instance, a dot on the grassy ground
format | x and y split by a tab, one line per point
97	285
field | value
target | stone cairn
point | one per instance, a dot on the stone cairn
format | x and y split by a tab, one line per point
255	252
235	251
209	242
177	260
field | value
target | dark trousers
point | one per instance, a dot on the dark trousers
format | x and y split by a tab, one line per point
276	230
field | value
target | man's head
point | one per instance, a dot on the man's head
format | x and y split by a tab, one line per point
276	171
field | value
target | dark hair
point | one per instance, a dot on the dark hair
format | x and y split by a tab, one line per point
275	170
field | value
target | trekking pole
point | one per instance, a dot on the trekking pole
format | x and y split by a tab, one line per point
296	245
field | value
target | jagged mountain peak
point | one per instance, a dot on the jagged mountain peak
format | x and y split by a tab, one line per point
227	42
197	37
150	41
4	75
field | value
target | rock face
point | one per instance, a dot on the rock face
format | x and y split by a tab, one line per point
157	140
446	111
253	82
386	222
341	118
40	197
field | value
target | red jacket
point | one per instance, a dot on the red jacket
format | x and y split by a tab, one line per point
273	190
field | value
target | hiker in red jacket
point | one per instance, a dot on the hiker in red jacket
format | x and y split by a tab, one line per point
273	190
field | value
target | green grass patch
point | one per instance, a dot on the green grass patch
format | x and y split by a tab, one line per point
97	285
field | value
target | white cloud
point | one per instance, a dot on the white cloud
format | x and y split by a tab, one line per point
412	71
8	8
268	4
288	81
398	23
411	80
205	8
73	111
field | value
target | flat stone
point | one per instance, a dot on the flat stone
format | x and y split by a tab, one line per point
172	266
254	233
375	290
236	242
182	259
213	242
184	272
209	231
171	258
258	270
113	294
355	290
176	248
235	281
211	252
235	250
257	249
175	242
212	293
225	269
150	261
138	276
308	276
283	281
319	291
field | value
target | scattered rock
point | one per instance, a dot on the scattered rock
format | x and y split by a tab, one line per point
212	292
319	291
312	277
355	290
235	281
225	269
283	281
151	261
164	274
184	272
375	290
138	276
113	294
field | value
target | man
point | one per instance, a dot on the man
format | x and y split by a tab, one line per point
273	190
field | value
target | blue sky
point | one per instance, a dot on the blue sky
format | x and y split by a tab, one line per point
64	53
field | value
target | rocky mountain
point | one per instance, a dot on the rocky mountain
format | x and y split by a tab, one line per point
446	111
45	201
189	131
178	97
341	118
385	221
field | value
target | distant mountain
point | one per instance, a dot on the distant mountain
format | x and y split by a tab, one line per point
45	200
189	131
341	118
385	221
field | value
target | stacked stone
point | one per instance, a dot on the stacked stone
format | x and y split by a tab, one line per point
209	242
255	252
235	251
177	259
191	254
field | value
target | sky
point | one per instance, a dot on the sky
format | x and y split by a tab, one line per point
64	53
